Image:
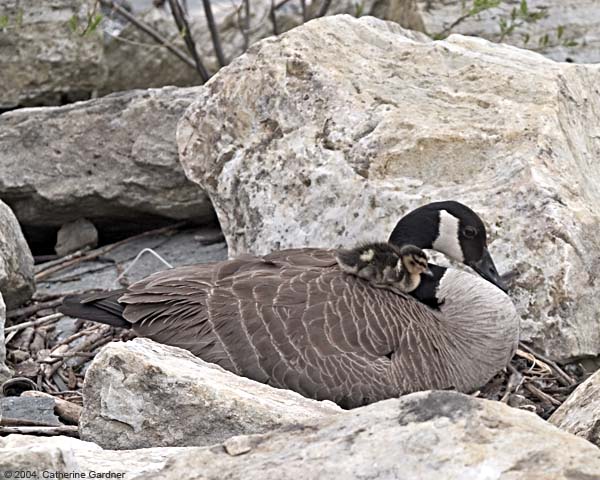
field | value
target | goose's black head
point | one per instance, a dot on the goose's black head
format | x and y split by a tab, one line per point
453	229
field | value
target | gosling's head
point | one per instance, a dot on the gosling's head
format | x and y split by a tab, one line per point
414	260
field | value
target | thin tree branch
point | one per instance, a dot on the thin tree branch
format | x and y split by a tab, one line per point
157	37
184	28
214	33
324	7
273	17
281	4
246	27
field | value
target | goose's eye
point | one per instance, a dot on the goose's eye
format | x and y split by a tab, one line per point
469	231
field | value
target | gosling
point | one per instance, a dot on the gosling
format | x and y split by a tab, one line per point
385	265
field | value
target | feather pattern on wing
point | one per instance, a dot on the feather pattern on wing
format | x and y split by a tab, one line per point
293	320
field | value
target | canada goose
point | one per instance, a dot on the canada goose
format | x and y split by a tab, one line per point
385	265
294	319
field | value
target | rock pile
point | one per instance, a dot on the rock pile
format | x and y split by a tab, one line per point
423	435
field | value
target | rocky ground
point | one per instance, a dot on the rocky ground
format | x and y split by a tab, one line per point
323	136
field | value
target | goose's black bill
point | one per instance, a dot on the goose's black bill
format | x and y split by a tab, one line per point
486	268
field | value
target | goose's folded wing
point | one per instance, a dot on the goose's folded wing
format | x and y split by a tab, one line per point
315	330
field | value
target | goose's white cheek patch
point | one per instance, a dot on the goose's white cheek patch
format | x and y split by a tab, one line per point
447	241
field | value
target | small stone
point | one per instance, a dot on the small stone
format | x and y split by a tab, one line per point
238	445
76	236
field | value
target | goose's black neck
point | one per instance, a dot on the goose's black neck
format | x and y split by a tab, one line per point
419	228
426	292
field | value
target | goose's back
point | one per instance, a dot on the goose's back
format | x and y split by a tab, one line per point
293	320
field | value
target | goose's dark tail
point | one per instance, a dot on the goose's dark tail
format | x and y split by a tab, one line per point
101	307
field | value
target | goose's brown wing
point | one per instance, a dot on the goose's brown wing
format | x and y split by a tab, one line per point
286	321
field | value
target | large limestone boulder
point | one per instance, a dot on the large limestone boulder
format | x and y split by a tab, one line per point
44	62
16	263
133	61
563	31
142	394
427	435
112	160
328	134
580	413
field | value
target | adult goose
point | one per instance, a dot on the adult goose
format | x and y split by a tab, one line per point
294	320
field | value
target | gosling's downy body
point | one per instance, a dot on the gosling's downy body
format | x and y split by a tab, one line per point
385	265
293	319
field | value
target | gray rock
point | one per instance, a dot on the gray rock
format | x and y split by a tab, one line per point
74	236
112	160
66	454
16	263
571	27
142	394
425	436
5	373
326	135
43	60
22	411
580	413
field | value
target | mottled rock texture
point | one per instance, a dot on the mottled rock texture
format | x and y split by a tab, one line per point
44	62
426	436
328	134
112	160
580	414
16	263
142	394
563	31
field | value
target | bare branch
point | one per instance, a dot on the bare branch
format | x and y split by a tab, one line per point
214	33
246	28
274	17
323	10
184	28
157	37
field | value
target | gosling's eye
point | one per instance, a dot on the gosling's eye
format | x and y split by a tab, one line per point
469	231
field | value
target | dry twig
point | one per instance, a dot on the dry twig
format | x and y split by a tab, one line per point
68	430
149	31
34	323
